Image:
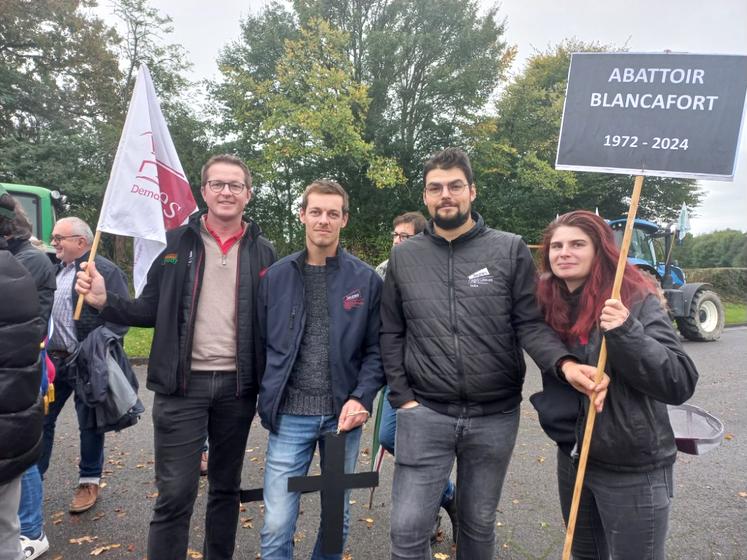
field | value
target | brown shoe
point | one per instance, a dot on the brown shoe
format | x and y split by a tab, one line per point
84	498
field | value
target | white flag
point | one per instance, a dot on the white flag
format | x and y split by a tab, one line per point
147	193
683	224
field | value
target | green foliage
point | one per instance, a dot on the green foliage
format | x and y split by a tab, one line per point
306	123
59	71
735	313
725	248
729	283
386	83
67	79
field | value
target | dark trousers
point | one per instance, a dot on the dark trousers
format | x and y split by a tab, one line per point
621	515
181	424
427	444
91	444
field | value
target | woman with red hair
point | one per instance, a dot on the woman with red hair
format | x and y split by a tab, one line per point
625	502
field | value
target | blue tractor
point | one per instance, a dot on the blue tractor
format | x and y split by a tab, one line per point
695	307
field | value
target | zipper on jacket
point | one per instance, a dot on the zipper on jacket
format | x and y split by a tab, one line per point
455	330
236	304
296	343
191	323
236	314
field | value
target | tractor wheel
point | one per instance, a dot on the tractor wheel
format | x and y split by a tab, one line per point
706	318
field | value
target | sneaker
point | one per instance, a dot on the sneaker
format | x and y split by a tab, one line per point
203	463
33	548
84	498
451	509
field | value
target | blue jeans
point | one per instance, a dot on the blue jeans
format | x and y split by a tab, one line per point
387	434
30	509
427	445
621	515
289	453
91	444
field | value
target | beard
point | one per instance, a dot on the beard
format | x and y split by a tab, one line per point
454	222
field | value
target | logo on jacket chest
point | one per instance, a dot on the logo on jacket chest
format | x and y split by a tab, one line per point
479	278
353	299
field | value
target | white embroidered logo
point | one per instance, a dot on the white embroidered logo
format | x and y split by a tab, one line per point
479	278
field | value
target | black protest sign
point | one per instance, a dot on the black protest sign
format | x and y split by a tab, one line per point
671	115
333	482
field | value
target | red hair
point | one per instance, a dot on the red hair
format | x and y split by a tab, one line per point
552	291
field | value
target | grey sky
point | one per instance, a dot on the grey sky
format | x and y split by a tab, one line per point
698	26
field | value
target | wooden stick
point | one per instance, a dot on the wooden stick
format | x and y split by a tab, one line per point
91	256
592	414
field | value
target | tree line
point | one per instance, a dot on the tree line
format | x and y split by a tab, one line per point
726	248
361	91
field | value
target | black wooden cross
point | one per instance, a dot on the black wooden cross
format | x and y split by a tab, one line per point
332	483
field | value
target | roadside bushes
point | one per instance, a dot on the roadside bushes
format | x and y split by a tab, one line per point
729	283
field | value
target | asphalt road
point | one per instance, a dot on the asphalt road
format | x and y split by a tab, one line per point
709	518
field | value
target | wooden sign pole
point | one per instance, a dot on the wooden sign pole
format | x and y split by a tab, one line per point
91	256
592	413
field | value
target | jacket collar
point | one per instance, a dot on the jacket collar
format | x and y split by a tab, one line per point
80	259
251	232
332	262
466	236
15	244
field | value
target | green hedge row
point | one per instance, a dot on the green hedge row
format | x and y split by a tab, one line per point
729	283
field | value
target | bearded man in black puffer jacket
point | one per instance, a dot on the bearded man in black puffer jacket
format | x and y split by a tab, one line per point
21	409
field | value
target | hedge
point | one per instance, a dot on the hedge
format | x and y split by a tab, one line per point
729	283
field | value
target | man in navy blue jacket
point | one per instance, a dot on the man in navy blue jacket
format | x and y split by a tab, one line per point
318	312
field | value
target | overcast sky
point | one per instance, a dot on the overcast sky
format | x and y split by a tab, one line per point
697	26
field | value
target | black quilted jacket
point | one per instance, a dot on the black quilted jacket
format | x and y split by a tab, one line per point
21	331
455	316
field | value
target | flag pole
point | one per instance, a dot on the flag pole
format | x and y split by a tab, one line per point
592	413
91	256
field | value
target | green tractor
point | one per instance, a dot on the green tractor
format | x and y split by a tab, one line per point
41	206
695	307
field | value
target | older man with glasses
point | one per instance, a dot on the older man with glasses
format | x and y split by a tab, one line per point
205	360
72	239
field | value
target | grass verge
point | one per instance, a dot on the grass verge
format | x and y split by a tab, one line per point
137	342
736	313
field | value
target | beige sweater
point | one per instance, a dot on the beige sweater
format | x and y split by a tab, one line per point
214	343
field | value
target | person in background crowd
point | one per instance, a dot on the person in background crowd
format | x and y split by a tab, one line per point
319	316
21	405
72	239
405	226
628	488
34	541
206	357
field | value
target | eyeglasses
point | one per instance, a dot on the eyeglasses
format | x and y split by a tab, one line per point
401	236
58	238
218	186
455	188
